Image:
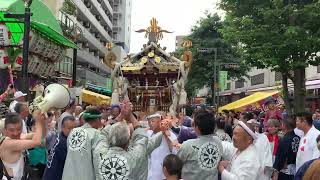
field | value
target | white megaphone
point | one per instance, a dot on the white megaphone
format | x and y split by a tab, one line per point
54	96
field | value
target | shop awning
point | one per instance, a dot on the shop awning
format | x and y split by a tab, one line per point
254	98
94	98
42	21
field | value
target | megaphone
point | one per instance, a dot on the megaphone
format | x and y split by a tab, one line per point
54	96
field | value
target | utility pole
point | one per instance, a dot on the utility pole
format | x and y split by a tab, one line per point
210	50
24	70
26	16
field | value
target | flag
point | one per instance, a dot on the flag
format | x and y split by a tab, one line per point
109	84
223	77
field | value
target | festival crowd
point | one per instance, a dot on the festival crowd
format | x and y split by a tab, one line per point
114	143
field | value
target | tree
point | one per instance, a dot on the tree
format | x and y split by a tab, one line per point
206	34
281	35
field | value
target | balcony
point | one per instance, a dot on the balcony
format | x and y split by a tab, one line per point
97	10
86	15
106	5
93	41
86	57
87	76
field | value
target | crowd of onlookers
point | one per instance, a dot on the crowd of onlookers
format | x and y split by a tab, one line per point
113	142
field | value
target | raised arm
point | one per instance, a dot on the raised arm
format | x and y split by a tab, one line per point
20	145
6	93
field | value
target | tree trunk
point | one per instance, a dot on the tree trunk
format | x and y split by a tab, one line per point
286	93
299	89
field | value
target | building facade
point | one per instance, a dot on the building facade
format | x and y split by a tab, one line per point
179	41
92	28
266	80
121	33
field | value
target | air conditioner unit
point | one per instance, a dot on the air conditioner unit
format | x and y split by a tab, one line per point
85	45
87	24
98	17
88	4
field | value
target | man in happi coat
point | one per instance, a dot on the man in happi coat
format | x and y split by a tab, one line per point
285	162
152	143
201	156
81	143
121	160
245	162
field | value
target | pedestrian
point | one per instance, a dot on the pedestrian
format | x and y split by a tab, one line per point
172	167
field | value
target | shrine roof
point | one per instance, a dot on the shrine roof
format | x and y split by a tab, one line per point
152	55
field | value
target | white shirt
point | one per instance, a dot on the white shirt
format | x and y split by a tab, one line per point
12	105
24	127
157	156
243	166
262	145
308	147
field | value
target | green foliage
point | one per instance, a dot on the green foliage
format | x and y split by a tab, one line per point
283	35
206	34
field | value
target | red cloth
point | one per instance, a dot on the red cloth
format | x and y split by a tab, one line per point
275	140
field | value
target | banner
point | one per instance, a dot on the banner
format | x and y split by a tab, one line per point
109	84
223	77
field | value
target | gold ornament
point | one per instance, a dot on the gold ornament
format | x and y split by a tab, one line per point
187	44
109	46
110	59
157	59
154	31
143	60
151	54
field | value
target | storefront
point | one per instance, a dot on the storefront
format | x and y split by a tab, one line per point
47	45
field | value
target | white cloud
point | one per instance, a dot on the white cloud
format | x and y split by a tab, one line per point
173	15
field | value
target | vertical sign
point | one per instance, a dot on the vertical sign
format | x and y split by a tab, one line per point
109	84
223	77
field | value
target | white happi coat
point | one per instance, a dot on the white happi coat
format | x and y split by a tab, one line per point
111	163
262	145
308	147
243	166
201	157
81	143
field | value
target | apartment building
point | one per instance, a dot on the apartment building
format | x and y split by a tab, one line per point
94	22
179	41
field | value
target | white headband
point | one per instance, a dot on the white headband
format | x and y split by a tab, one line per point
248	130
154	116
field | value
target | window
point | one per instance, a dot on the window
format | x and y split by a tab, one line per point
257	79
277	76
239	84
228	86
66	65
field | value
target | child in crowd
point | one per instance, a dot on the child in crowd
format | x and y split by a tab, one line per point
172	167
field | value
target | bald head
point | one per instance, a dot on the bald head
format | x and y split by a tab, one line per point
78	110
